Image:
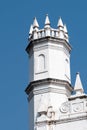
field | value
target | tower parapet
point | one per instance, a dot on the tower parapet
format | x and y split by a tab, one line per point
60	32
49	51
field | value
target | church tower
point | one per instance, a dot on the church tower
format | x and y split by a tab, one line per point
49	91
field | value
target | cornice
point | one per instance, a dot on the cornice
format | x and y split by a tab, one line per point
34	84
46	39
61	121
73	97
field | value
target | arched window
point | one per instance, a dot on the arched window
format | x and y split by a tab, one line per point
41	62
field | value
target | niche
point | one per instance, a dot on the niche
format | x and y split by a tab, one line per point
41	63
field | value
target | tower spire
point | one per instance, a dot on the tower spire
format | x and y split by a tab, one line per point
78	85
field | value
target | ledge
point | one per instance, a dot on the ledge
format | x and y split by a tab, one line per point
47	38
33	84
73	97
60	121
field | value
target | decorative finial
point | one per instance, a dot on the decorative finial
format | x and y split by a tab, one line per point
60	23
78	85
31	30
60	29
65	28
66	33
35	23
47	21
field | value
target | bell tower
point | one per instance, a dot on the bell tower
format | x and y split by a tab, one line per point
49	52
52	106
50	78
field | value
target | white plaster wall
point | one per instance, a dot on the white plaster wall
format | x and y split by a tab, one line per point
41	72
55	65
76	125
43	101
31	67
42	127
58	67
57	100
40	101
43	98
67	66
31	114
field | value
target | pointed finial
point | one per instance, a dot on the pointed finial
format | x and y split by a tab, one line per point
66	33
78	85
31	30
60	23
60	29
35	23
65	29
47	21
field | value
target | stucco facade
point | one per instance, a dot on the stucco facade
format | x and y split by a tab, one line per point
51	103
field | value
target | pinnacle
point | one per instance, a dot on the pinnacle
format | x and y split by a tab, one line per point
31	29
60	23
47	21
78	85
35	23
65	29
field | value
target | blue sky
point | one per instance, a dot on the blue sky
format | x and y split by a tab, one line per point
15	19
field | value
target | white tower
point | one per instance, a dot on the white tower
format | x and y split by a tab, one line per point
49	90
